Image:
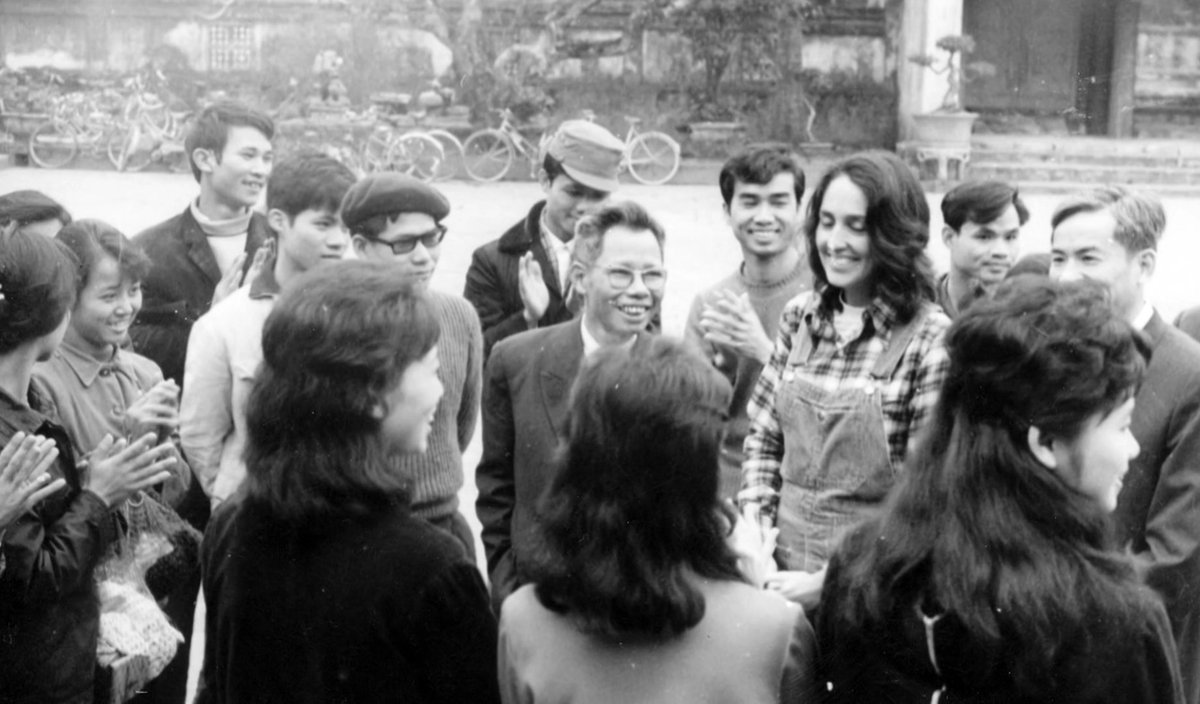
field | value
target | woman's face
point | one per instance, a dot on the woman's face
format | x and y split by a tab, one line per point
843	242
411	405
1096	460
106	307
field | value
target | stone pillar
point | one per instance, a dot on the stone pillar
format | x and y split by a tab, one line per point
1124	69
924	22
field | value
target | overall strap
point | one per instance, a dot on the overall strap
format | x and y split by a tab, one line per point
888	362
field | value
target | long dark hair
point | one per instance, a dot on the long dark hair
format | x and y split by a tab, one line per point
633	507
978	525
337	341
898	224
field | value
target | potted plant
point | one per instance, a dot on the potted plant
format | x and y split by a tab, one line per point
950	122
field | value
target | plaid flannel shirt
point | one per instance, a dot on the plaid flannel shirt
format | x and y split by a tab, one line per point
908	397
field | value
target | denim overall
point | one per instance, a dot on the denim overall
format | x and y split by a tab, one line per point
836	466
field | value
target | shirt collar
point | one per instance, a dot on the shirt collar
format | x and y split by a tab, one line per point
265	285
87	367
591	344
882	315
1142	319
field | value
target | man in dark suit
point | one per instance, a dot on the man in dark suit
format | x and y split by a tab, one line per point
201	255
617	269
519	282
1111	235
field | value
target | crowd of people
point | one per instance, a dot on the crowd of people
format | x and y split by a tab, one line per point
851	480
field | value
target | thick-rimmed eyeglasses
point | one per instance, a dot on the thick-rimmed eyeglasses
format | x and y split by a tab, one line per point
621	278
407	244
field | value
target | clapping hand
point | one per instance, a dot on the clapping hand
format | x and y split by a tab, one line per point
156	411
24	476
755	547
532	287
117	470
730	322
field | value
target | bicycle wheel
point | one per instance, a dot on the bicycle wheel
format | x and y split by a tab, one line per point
416	154
653	158
452	151
487	154
53	145
375	151
130	149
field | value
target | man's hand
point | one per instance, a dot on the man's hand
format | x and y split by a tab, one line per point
231	281
24	479
534	293
117	471
156	411
730	322
801	587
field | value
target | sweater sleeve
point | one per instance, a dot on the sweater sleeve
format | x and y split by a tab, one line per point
454	634
468	408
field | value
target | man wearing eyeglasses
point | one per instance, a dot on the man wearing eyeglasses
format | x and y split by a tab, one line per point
617	270
396	218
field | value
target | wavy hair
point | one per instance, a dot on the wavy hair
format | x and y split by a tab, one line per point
92	240
977	524
633	510
338	340
897	220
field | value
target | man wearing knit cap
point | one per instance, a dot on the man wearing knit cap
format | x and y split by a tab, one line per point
396	218
734	322
519	282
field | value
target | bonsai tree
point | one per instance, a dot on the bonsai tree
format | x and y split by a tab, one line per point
956	47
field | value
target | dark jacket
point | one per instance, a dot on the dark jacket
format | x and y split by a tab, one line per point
1158	509
380	609
49	612
493	283
179	288
526	391
905	662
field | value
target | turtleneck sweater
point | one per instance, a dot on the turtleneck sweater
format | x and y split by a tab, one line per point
227	238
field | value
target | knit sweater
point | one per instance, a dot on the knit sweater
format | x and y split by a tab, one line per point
437	474
768	301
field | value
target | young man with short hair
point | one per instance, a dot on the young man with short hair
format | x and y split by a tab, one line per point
519	281
397	219
982	230
734	321
200	255
225	348
1111	235
617	270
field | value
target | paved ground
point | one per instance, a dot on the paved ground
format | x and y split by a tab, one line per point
700	249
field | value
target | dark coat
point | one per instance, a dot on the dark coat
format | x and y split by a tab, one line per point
379	609
1158	510
1189	322
49	612
179	288
493	283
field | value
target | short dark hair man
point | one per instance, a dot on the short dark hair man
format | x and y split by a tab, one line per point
1111	235
734	321
519	281
982	229
617	270
397	219
200	255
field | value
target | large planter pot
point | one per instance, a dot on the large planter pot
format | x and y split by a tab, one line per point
947	127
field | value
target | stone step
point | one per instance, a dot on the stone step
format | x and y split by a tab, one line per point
1095	173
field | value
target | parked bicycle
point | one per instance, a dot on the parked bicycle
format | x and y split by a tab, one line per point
151	133
652	158
489	153
413	152
78	122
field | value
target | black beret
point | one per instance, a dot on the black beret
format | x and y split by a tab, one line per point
389	193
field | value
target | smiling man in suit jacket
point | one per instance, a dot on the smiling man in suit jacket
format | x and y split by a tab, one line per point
617	269
1111	235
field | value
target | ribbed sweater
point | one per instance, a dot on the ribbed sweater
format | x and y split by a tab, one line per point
768	301
437	474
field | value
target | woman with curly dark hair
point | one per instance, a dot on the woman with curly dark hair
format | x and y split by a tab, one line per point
636	594
321	585
990	575
855	370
